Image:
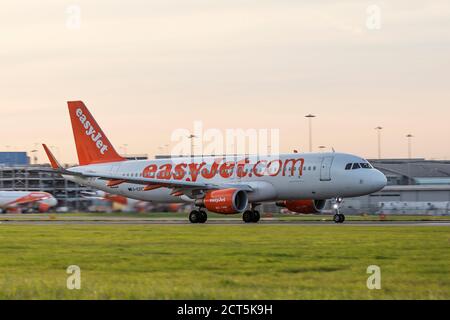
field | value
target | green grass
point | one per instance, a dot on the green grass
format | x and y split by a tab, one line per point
224	262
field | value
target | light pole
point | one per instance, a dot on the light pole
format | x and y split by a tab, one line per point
379	140
192	136
35	159
166	146
409	136
164	149
34	152
310	117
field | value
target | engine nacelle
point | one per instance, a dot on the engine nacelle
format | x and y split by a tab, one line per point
225	201
43	207
303	206
116	198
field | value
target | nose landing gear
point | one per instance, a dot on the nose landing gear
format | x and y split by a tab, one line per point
338	217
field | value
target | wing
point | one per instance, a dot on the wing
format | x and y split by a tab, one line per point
179	187
168	183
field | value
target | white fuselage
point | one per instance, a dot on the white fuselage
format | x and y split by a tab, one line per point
286	177
10	199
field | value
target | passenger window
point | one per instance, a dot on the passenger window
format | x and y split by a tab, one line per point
348	166
356	166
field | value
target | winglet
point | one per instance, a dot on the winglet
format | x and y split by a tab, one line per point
55	164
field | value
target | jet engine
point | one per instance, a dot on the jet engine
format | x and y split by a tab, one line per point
43	207
225	201
303	206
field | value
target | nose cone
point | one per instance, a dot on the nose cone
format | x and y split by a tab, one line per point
378	181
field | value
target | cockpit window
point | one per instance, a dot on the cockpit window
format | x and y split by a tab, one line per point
356	166
348	166
365	165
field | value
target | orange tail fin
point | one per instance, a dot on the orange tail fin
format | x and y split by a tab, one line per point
54	163
92	144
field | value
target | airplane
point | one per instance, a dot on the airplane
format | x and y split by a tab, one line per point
127	204
16	200
300	182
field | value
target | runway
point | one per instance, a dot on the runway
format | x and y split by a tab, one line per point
221	222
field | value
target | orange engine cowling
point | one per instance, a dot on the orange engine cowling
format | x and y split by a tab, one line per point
116	198
225	201
43	207
303	206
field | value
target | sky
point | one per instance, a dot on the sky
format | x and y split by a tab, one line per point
146	68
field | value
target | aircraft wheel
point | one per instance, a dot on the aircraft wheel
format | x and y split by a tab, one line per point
337	218
247	216
256	216
203	216
195	216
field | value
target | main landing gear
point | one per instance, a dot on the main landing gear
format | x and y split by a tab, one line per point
251	215
198	216
338	217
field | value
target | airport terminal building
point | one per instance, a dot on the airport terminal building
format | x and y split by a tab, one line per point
414	186
17	174
25	178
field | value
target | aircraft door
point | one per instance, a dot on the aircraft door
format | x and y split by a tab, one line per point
325	168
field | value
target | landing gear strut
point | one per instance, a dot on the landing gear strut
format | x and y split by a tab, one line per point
251	215
198	216
338	217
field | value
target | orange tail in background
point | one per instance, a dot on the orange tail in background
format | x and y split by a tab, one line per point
55	164
92	144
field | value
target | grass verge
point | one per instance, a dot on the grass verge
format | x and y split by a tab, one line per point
224	262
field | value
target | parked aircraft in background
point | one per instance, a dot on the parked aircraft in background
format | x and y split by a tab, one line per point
126	204
16	201
130	205
300	182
